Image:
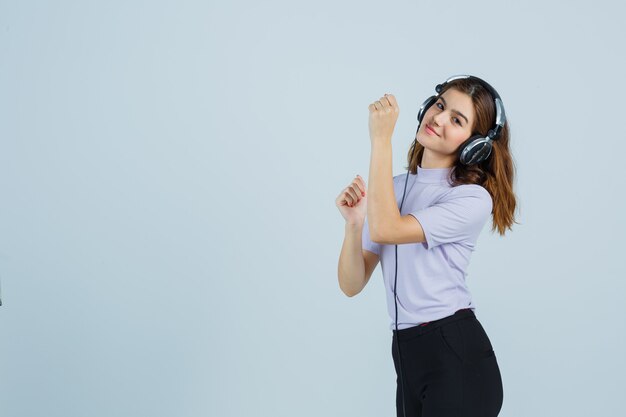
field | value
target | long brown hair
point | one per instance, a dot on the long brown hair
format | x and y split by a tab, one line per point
495	174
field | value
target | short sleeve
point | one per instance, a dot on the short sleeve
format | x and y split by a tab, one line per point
367	242
459	216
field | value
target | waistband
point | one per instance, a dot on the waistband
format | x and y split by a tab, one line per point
429	326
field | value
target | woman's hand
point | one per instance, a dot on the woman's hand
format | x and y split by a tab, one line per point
383	117
352	201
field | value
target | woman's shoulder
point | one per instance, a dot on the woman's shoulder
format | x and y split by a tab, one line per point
470	191
400	177
399	180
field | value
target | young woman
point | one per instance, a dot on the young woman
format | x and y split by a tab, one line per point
423	226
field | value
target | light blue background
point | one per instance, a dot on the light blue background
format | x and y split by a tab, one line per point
168	231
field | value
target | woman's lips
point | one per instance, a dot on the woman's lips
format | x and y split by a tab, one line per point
430	131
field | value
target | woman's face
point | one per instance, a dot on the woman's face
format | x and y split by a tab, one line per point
452	119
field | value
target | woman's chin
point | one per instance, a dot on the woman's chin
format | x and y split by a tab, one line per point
431	147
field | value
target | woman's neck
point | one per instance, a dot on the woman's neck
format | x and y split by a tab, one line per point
433	160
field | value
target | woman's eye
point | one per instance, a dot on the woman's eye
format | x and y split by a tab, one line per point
456	119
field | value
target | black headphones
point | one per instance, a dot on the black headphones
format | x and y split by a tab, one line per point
474	150
477	148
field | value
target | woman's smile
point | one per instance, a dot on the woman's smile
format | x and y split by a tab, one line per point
430	131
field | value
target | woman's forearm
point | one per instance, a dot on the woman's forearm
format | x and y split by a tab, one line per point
351	269
381	203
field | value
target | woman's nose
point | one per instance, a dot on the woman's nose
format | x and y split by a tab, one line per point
439	118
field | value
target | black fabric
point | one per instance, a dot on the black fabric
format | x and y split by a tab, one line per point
449	369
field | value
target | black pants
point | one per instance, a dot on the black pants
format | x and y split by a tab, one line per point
449	369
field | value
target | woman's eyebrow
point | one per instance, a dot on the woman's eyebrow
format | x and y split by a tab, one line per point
454	111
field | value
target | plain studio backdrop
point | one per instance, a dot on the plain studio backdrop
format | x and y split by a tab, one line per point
168	232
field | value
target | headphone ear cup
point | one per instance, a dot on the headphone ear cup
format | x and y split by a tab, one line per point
467	142
474	150
425	105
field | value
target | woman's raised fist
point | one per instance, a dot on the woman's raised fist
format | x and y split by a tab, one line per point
352	201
